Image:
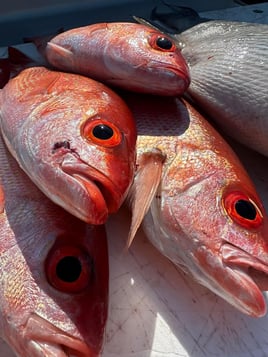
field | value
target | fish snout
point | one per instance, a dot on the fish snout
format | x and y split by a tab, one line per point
173	71
97	195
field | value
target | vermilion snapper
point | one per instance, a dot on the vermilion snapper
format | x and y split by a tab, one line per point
228	63
203	211
73	136
54	273
128	55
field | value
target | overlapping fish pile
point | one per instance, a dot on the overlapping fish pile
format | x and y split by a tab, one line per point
76	139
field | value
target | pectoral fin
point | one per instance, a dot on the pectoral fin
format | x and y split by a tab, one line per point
59	50
143	190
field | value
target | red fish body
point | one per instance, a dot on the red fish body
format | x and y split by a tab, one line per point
74	137
54	273
128	55
203	211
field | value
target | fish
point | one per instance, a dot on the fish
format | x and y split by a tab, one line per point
228	61
124	54
196	202
74	137
54	277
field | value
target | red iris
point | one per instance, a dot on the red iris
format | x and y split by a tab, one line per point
69	268
242	209
162	43
101	132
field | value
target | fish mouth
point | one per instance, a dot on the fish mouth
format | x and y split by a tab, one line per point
102	195
234	255
252	272
181	74
45	339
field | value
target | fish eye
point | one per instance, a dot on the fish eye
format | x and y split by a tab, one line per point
162	43
101	132
69	269
246	209
242	209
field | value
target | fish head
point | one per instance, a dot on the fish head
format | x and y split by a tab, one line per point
77	142
214	225
128	55
55	300
150	59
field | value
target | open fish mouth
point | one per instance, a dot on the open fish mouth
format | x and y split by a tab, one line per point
255	268
45	339
102	193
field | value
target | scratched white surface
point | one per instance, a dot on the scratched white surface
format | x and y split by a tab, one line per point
157	311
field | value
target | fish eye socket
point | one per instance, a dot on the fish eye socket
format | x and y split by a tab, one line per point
242	210
101	132
69	269
162	43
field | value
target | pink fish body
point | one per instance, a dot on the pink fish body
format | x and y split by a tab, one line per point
128	55
73	136
203	211
54	273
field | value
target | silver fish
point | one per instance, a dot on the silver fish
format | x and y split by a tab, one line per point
228	64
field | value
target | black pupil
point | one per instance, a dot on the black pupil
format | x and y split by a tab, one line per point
69	269
164	43
246	209
103	132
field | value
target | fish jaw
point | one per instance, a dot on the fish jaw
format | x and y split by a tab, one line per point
103	196
229	276
42	338
158	73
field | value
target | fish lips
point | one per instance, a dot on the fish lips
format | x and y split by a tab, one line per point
102	195
252	272
179	77
42	336
157	77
